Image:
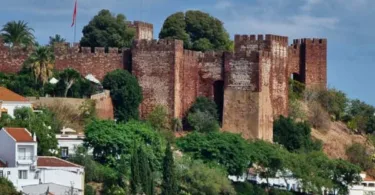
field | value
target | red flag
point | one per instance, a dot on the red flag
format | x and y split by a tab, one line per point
74	14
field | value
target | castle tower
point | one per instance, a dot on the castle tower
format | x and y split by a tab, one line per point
308	62
143	30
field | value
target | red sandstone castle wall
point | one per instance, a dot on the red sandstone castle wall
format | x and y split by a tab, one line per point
211	70
279	74
189	77
11	60
308	58
84	61
154	66
103	105
316	62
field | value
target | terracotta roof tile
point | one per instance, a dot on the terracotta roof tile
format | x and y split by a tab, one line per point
368	178
8	95
19	134
2	164
51	161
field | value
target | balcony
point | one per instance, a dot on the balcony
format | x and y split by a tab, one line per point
32	158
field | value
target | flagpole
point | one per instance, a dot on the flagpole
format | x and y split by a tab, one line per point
75	22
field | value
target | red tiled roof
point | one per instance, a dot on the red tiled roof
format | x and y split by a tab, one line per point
8	95
368	178
51	161
19	134
2	164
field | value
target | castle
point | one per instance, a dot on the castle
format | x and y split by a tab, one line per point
250	85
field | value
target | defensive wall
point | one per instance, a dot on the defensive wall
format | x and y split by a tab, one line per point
250	84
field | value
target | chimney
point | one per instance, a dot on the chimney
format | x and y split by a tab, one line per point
34	137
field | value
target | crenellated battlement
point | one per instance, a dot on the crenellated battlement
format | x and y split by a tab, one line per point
158	45
309	41
267	37
192	53
68	48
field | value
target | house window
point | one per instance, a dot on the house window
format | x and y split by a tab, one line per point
22	174
64	152
22	153
1	174
371	185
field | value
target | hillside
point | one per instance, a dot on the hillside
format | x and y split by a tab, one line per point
337	138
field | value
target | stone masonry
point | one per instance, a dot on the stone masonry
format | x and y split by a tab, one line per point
250	84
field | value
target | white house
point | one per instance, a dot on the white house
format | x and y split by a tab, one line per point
367	186
20	164
68	141
11	101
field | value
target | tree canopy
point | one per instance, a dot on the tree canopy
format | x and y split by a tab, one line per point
111	141
107	30
126	94
230	150
293	135
198	30
17	34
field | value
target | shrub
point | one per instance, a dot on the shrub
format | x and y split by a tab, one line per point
198	178
245	188
203	122
294	135
357	154
126	94
228	149
295	110
158	118
333	101
318	117
89	190
204	104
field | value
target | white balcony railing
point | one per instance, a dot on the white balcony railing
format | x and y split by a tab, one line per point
26	157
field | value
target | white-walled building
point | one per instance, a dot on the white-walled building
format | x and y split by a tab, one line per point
69	141
366	187
11	101
20	164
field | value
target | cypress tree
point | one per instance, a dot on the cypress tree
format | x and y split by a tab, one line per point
169	185
135	174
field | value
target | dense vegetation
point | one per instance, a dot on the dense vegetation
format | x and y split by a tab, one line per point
198	30
131	156
107	30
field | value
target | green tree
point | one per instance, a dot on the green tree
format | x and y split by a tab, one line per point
56	39
40	124
205	104
229	150
294	135
69	76
334	101
142	180
126	94
203	122
107	30
110	140
7	187
158	118
17	34
135	178
198	30
41	63
357	154
169	184
198	178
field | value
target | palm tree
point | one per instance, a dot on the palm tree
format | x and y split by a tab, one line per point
41	63
56	39
17	34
